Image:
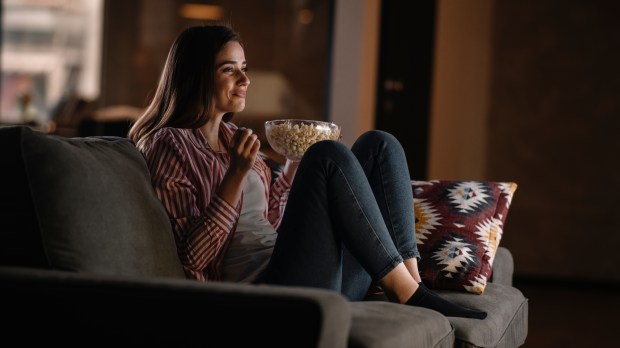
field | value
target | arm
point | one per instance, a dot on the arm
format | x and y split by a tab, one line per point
279	192
201	227
49	301
290	168
243	150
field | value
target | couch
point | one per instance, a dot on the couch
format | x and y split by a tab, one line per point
87	257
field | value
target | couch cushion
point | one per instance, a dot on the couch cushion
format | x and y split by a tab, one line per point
95	206
378	324
506	322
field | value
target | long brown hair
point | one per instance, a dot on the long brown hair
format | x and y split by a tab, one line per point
186	85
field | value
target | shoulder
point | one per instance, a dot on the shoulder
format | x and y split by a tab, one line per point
170	139
179	136
162	138
170	133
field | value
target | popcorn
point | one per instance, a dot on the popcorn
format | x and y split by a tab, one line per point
291	138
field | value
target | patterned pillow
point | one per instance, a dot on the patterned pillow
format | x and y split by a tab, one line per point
459	225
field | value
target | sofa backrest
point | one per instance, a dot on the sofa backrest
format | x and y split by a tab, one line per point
82	204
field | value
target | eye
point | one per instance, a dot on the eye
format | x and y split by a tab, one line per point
245	69
228	69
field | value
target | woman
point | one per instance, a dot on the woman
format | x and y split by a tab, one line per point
338	219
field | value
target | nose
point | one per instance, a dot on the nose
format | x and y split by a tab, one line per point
244	80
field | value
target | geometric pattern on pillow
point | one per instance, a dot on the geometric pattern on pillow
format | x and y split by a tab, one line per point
459	225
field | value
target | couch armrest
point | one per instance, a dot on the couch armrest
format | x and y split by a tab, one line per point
79	308
503	267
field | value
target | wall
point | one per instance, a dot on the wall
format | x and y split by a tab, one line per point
137	35
545	115
554	129
460	90
279	46
353	66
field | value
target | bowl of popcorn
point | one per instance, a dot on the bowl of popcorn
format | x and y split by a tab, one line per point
291	137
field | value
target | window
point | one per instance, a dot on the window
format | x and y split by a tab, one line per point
50	50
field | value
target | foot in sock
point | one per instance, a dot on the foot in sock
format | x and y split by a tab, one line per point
424	297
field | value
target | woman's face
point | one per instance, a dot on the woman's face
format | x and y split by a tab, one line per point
231	81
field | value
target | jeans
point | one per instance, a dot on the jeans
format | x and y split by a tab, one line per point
349	217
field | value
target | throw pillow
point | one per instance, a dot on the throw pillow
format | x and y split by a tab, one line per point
459	225
95	208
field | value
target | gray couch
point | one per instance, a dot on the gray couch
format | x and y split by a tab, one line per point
87	257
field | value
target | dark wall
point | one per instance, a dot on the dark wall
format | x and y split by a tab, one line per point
138	35
554	123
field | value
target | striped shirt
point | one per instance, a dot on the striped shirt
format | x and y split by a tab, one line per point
186	173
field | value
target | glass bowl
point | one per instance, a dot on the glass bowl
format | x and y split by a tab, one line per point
291	137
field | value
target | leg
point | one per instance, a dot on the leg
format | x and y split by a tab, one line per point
385	166
384	163
355	280
330	205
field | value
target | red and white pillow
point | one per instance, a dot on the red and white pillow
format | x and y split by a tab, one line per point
459	225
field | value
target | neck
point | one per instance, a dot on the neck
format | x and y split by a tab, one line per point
211	131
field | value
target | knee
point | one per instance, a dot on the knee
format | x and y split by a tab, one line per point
378	138
329	149
326	147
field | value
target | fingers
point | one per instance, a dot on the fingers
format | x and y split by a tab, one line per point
235	139
245	142
255	147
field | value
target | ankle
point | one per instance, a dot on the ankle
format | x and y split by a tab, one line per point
398	284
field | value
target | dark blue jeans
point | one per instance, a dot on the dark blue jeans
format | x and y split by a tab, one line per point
349	217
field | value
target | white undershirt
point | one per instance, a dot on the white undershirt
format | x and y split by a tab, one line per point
252	242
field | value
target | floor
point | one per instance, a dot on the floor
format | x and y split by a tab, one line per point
563	314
